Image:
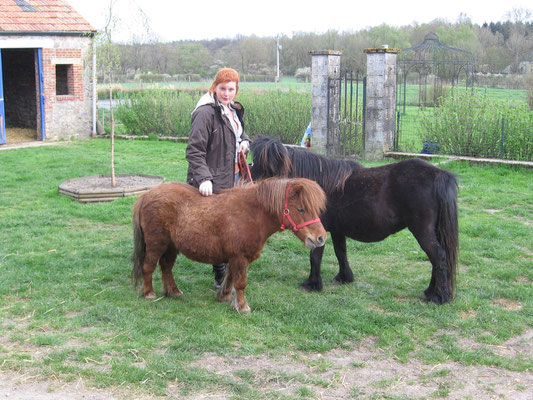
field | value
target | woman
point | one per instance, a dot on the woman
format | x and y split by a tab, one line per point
217	135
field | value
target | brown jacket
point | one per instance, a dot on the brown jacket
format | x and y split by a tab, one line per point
212	145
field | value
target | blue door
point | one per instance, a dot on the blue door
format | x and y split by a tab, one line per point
41	91
2	110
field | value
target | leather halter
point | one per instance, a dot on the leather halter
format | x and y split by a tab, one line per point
286	214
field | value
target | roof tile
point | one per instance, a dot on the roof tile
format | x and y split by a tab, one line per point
51	16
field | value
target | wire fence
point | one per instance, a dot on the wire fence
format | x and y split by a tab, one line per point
467	124
507	139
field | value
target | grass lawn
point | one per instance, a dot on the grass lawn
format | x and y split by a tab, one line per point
68	308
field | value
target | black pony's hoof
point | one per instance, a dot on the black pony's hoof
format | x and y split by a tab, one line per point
341	280
437	298
311	286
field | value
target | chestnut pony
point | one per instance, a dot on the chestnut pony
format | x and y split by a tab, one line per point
369	204
231	227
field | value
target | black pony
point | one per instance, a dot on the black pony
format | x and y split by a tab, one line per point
369	204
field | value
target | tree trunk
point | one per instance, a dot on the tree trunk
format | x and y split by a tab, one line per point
112	122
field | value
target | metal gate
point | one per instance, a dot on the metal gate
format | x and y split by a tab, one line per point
427	73
346	111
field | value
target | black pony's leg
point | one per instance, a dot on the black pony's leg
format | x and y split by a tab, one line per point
438	290
431	288
314	282
345	274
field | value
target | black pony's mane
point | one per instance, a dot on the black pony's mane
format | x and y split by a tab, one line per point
271	158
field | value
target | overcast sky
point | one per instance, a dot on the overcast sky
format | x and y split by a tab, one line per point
208	19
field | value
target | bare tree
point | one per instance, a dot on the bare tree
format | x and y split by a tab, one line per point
108	60
518	14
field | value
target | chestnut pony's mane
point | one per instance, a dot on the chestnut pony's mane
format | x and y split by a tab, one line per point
271	193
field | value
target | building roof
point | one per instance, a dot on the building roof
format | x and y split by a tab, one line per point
38	16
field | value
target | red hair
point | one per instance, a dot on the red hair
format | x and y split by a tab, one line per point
225	75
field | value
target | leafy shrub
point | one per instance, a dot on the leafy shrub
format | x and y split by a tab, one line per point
435	94
303	74
528	79
279	113
471	124
162	112
187	77
257	78
500	81
103	92
153	77
517	127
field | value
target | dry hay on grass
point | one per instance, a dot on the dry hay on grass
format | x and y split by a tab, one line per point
20	135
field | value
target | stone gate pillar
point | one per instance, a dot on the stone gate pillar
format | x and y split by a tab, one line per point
380	101
324	64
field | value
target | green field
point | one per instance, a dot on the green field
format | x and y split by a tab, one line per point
513	95
69	311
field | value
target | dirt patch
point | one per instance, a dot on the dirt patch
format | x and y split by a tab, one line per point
507	304
22	387
99	188
365	371
524	280
467	314
102	183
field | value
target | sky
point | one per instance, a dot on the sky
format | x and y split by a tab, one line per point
170	20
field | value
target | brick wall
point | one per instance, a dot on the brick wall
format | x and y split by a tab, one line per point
68	115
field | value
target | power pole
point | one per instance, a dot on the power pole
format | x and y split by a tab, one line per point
278	48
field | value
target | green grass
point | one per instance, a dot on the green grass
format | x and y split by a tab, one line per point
515	96
68	307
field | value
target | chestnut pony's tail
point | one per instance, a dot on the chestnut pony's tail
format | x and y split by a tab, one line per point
139	246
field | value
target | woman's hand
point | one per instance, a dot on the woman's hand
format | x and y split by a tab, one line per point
206	188
244	146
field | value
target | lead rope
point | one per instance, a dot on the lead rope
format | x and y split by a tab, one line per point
244	168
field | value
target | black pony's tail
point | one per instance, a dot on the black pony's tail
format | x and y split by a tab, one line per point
139	246
447	224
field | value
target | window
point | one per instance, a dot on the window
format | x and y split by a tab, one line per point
64	80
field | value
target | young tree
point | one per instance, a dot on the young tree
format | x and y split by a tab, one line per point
108	60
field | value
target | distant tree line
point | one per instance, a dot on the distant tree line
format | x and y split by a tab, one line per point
495	45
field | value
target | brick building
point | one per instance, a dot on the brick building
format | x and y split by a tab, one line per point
46	84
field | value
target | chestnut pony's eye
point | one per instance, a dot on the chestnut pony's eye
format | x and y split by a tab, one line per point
301	210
